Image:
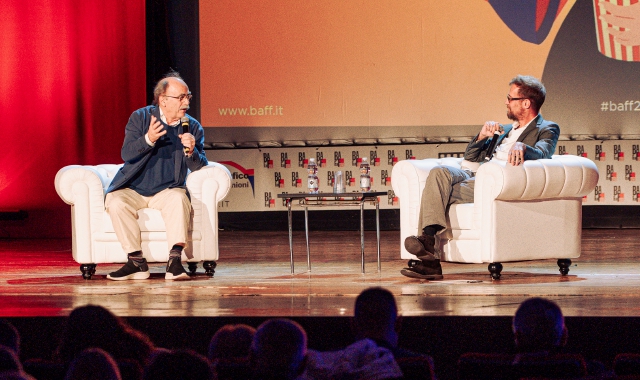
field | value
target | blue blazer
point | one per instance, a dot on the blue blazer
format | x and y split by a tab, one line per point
136	152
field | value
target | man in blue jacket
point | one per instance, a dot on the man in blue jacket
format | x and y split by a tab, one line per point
157	156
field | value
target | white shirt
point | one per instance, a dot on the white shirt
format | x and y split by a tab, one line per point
502	151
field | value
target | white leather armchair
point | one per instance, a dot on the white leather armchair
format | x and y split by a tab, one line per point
94	240
527	212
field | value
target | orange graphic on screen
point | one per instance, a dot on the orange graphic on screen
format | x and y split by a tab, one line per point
345	63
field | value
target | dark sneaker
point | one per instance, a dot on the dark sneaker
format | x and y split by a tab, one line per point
424	270
175	270
130	271
422	246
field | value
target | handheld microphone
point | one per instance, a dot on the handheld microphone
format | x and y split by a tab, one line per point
185	129
494	143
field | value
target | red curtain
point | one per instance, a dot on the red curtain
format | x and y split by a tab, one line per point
71	73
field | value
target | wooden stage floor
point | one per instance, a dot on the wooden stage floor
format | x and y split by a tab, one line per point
253	279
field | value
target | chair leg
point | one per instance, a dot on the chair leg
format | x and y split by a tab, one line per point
87	270
564	265
193	268
209	267
495	269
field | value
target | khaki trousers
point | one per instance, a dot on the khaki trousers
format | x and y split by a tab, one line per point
123	205
445	186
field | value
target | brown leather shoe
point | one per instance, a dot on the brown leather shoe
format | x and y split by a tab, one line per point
422	246
424	270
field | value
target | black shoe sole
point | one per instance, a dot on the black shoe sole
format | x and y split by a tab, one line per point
415	247
412	274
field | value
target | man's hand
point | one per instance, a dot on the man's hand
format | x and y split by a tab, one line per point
516	154
156	130
627	17
188	141
488	130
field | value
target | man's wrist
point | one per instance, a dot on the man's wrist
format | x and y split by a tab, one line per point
148	140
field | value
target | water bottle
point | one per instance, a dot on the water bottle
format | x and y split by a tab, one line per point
338	182
365	177
312	176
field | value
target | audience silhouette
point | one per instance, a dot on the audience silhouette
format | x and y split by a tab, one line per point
229	352
9	360
376	318
231	342
539	331
538	326
178	364
9	336
278	350
96	327
97	345
93	364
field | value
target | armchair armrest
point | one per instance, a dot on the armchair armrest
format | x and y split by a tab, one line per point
213	179
560	177
96	179
83	187
207	187
409	176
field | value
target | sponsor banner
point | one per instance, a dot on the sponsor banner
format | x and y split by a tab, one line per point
259	175
617	162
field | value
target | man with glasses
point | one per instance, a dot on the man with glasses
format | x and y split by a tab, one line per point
530	137
157	155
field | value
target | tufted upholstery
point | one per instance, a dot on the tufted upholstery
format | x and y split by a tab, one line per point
93	238
527	212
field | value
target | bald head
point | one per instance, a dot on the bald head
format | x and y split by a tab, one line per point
171	78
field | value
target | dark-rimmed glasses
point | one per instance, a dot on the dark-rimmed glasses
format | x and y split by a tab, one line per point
509	98
181	97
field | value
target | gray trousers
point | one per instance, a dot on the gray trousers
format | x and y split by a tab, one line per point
445	185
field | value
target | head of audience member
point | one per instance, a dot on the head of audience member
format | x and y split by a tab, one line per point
93	364
9	336
538	325
278	350
177	364
94	326
376	316
9	360
16	375
231	342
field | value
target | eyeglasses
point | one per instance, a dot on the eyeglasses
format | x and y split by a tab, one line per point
509	98
181	97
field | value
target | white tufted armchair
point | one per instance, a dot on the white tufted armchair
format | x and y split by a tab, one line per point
94	240
527	212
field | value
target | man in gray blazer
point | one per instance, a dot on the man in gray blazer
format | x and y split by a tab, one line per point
530	137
